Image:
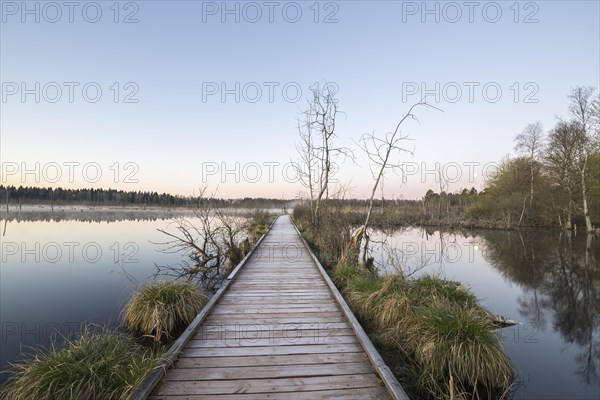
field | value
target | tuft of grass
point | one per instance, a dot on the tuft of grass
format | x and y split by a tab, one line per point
341	275
459	344
429	287
437	326
159	310
259	224
97	366
358	289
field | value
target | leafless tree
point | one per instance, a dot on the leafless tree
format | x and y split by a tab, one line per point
307	162
210	245
317	150
444	185
583	108
531	143
384	154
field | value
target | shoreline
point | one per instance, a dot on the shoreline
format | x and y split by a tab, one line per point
44	207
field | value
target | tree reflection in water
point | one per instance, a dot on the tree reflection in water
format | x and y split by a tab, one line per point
559	273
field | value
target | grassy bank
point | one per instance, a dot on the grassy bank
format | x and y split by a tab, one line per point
440	342
108	365
98	365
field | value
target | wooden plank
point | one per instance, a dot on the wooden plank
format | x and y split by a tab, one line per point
274	314
258	361
268	300
272	292
272	350
234	334
267	372
273	308
277	385
228	327
265	340
284	289
260	291
282	319
370	393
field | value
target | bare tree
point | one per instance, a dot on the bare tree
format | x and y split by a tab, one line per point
583	108
307	162
210	244
317	150
384	154
444	185
531	143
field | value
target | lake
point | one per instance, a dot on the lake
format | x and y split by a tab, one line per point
60	270
64	269
545	279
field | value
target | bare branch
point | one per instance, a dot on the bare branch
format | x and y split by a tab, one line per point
384	153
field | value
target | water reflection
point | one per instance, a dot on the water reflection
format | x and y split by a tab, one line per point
560	276
547	280
57	275
89	214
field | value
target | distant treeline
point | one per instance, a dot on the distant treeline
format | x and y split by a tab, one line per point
112	197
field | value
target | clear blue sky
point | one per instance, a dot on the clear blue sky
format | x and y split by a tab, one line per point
181	135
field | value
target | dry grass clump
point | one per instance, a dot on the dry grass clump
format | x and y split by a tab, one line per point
438	326
159	310
102	365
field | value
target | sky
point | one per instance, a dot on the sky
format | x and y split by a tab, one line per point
172	96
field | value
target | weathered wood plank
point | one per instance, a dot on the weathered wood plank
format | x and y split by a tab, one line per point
258	300
370	393
273	308
272	350
282	319
266	340
234	334
258	361
276	296
326	328
267	372
277	385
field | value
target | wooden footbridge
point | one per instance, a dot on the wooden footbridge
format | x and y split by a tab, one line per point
277	329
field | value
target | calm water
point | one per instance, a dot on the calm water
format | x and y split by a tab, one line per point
57	275
546	280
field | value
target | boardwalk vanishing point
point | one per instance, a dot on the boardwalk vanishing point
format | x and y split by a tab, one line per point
278	329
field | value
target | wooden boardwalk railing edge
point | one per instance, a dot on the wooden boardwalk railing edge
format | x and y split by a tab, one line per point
384	372
152	379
